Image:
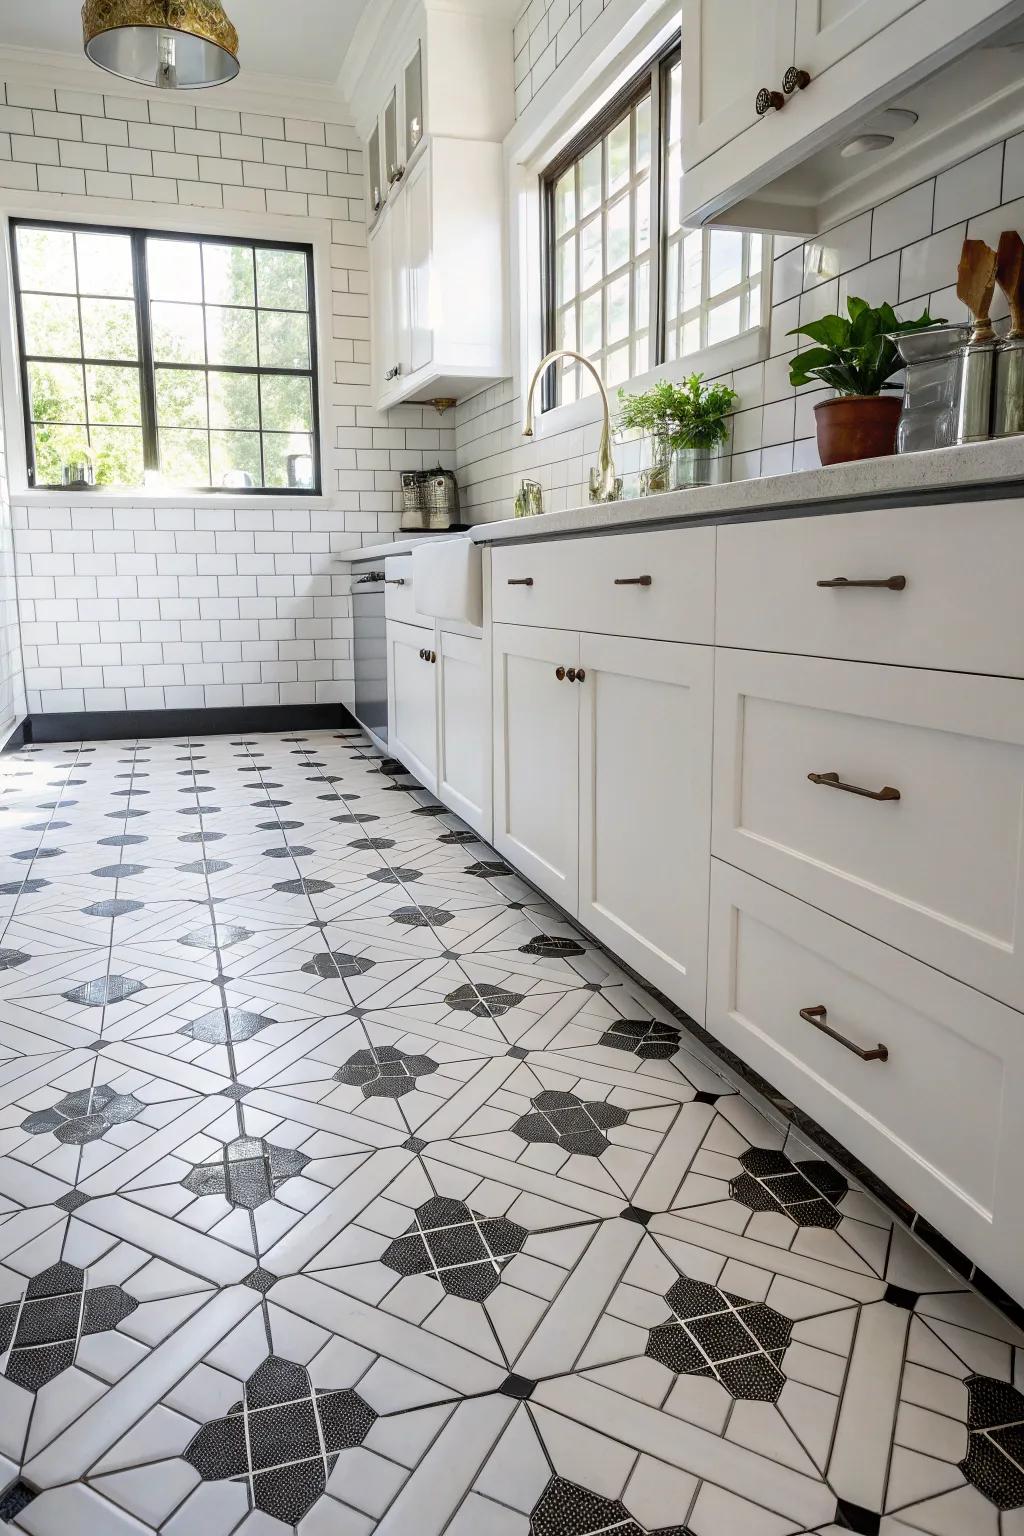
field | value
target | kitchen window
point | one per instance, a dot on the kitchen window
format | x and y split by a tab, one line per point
164	358
625	284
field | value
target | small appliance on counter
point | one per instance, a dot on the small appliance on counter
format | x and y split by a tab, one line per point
430	501
933	360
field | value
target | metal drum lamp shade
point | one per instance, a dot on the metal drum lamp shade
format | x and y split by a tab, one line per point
171	44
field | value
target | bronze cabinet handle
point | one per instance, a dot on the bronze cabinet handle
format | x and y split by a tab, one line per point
818	1016
520	581
394	581
795	80
570	673
560	674
765	100
893	583
423	654
833	781
432	657
581	675
633	581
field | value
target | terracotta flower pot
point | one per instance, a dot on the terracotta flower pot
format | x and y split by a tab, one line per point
857	427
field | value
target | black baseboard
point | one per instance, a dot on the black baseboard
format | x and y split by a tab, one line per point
137	724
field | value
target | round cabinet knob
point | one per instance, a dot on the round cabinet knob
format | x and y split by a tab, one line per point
560	674
766	100
433	657
571	674
423	655
795	80
581	676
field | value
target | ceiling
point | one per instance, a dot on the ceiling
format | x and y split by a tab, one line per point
270	40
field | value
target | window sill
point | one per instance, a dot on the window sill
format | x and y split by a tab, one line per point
713	362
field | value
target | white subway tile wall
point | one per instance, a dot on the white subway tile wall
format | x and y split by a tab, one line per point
128	607
545	34
904	251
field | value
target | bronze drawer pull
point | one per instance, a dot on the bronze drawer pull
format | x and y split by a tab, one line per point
570	673
581	675
423	654
819	1014
795	80
560	674
432	657
394	581
766	100
520	581
892	583
633	581
833	781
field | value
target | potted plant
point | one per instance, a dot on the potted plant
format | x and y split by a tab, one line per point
857	358
687	421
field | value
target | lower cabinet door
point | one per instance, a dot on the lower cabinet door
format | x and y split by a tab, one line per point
938	1118
536	756
645	807
412	709
463	730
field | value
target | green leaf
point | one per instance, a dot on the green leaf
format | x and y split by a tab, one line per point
829	331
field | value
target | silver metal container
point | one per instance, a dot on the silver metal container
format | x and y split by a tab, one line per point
1008	413
933	362
414	505
978	368
441	495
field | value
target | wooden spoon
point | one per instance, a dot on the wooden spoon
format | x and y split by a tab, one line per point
1010	277
975	285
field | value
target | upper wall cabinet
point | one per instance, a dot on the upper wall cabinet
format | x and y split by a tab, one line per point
788	120
434	103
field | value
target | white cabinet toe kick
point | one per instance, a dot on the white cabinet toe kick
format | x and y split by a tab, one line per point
781	779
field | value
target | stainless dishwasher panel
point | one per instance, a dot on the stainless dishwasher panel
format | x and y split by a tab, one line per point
369	648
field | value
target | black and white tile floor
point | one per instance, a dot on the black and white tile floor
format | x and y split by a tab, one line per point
343	1187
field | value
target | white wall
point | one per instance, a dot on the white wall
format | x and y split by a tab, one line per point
12	681
133	602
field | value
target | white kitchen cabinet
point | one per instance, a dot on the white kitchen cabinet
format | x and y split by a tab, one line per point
937	1118
645	807
436	277
412	701
827	30
536	756
732	49
463	733
602	786
785	170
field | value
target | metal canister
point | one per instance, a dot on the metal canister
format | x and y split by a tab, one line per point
1008	414
974	418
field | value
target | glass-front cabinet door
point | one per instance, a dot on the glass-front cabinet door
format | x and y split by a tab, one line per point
413	102
373	171
391	164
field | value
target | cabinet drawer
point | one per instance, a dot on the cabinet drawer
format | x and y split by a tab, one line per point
592	584
399	604
960	608
939	1119
936	872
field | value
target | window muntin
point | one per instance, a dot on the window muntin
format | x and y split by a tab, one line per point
191	356
625	284
712	276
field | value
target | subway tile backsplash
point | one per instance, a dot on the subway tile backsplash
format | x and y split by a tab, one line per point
904	251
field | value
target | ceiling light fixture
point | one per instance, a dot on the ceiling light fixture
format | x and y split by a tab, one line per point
171	44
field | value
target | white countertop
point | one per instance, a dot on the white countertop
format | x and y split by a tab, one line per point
912	476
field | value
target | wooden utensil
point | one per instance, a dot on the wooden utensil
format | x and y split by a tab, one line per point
975	285
1010	277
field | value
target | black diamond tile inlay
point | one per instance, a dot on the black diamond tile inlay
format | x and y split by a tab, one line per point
71	1201
44	1328
637	1214
809	1193
994	1463
896	1296
518	1052
573	1124
84	1115
520	1387
415	1144
260	1279
11	958
383	1072
283	1437
219	1025
646	1038
568	1509
713	1333
483	1000
464	1251
109	989
334	964
852	1517
248	1172
16	1497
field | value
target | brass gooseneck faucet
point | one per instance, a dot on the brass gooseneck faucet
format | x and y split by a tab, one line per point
603	484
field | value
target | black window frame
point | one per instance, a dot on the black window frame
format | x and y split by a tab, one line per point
651	80
147	365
